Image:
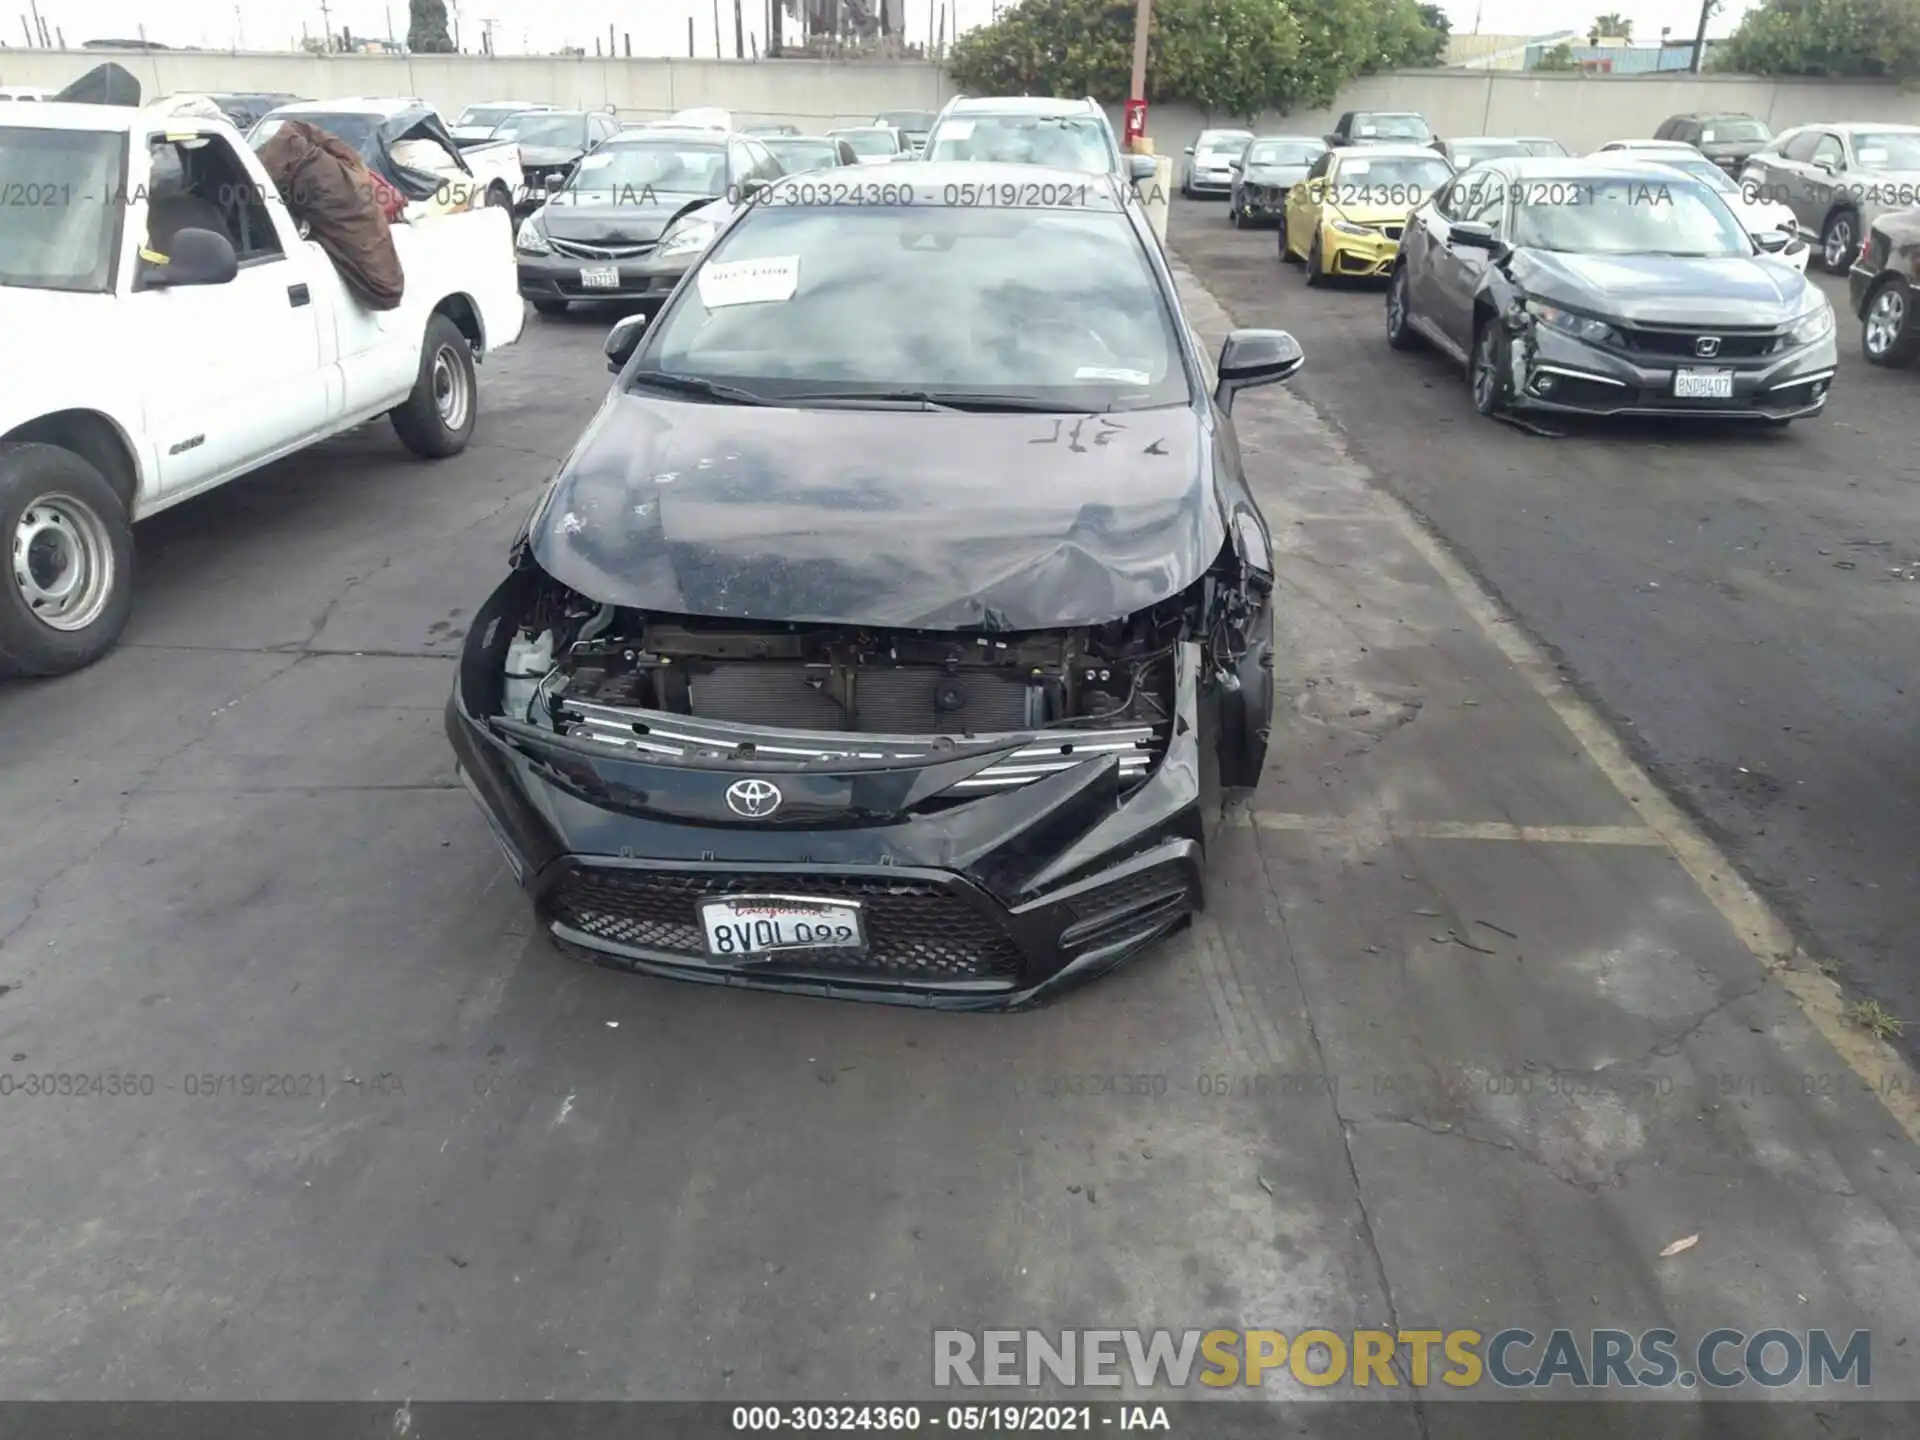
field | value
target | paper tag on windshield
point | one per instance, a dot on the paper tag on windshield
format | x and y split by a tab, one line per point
1113	376
1355	167
1872	155
1706	137
749	282
1366	130
957	130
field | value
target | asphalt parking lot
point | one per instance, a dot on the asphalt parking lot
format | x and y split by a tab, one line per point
1473	1028
1745	606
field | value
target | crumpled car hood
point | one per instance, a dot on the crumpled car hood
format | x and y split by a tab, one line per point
1666	289
899	519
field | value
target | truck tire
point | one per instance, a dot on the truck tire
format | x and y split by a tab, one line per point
437	419
69	575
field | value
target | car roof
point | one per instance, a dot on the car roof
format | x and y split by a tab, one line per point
797	139
1651	144
1566	167
552	110
349	105
1078	189
1292	140
108	119
858	129
1017	105
515	104
1396	114
1226	130
690	134
1389	152
1715	115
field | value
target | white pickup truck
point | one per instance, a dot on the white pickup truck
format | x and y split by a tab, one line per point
129	385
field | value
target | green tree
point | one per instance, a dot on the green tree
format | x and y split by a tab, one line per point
1232	57
1837	38
1560	57
1610	26
427	28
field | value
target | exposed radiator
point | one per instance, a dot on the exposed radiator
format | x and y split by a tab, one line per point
897	700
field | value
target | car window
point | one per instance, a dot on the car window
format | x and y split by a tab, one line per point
674	167
798	155
561	131
1393	127
1718	132
765	165
1064	142
1887	149
1284	152
69	242
1829	149
1362	178
1059	305
1801	147
870	142
1221	142
1629	216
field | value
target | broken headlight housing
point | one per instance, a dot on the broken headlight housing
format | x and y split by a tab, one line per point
1567	322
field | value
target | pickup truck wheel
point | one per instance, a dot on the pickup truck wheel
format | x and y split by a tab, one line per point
550	307
69	575
437	419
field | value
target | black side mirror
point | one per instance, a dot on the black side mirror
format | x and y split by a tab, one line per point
1474	234
623	340
1189	150
1251	358
1142	167
1773	242
197	257
752	186
1234	165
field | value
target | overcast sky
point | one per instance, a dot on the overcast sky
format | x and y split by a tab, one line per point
659	27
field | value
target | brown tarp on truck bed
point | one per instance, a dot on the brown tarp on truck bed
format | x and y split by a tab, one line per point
325	183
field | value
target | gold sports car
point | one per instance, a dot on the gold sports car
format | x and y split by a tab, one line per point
1345	218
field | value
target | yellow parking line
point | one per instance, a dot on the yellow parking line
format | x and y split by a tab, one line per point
1360	827
1883	1069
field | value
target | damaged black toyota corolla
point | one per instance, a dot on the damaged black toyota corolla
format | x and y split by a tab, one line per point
901	616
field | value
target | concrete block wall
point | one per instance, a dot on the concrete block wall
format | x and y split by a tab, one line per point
1581	111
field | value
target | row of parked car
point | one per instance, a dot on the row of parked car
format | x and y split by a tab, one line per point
1380	197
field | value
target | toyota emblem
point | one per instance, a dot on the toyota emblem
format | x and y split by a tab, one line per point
755	799
1707	346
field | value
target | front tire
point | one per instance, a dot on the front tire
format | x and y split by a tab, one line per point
1485	374
1839	242
1888	335
437	419
1316	276
1400	334
1234	216
1286	254
69	578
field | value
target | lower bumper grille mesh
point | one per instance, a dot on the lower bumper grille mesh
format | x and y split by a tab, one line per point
915	930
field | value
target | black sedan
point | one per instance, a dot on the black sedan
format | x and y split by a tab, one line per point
897	625
1584	287
1270	166
635	215
551	143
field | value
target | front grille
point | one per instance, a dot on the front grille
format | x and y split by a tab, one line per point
576	251
678	737
898	700
915	929
1736	346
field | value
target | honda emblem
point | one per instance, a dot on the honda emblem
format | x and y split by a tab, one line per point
1707	346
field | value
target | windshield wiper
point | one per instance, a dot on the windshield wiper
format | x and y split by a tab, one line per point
981	401
694	385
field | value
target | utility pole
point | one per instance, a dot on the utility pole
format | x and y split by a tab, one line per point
739	32
239	30
1707	8
716	31
326	26
1142	23
453	9
39	26
689	37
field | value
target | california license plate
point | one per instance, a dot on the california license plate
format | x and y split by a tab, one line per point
1703	385
753	926
600	277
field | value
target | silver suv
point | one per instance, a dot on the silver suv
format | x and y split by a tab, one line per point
1034	130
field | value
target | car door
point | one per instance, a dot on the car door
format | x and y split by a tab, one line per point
243	371
1456	269
1425	234
1792	174
1826	177
1303	205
